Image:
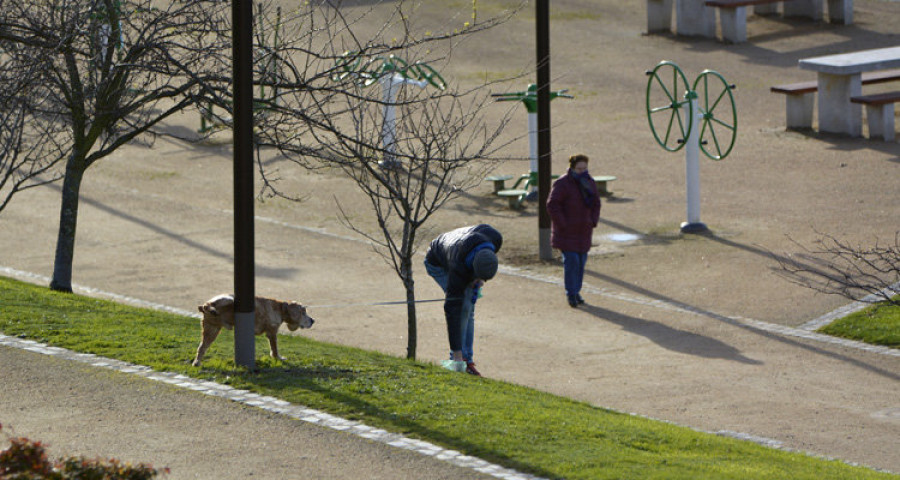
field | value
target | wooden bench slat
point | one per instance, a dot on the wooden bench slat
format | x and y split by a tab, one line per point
739	3
868	78
880	76
877	98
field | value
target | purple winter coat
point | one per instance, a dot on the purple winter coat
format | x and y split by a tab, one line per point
573	222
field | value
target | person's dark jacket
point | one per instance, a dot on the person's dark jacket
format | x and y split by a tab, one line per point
572	217
449	251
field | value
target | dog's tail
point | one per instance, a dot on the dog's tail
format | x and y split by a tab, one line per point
213	305
208	308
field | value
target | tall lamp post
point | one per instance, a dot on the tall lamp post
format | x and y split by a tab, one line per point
543	123
244	274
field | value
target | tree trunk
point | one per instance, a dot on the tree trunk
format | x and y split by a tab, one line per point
412	333
68	220
411	324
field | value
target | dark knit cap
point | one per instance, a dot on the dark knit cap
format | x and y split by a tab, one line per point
485	264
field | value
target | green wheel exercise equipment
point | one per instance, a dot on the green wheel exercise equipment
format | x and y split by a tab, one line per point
699	117
668	91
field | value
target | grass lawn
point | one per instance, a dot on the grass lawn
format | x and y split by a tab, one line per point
500	422
878	324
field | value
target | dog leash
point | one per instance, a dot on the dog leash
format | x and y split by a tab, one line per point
375	304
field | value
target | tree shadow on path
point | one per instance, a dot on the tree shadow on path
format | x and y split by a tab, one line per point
734	322
261	270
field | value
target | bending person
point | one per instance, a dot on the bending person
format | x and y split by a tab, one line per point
461	261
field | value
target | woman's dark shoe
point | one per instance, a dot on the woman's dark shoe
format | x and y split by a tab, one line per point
573	302
579	299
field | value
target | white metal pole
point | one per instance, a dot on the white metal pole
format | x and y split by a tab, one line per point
692	172
391	84
390	117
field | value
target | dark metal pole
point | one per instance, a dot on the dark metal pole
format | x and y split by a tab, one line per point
543	125
244	275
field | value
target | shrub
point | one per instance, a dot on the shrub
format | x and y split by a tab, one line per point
27	460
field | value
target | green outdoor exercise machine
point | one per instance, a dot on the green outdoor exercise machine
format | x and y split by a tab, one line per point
698	117
392	72
529	99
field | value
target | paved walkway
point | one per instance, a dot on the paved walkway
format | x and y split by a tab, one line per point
67	400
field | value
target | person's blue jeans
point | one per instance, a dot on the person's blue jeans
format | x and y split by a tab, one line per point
467	329
573	269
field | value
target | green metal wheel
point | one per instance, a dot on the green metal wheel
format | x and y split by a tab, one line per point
430	75
718	126
667	93
378	67
345	65
368	72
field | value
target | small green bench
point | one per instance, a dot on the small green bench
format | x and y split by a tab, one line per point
499	181
603	184
514	196
531	180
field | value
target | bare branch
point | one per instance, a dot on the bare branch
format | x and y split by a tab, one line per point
833	266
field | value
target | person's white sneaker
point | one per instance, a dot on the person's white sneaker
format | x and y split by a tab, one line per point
454	365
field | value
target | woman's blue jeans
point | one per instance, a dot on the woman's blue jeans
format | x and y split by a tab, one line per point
573	269
467	320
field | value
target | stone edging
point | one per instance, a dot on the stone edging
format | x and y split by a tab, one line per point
274	405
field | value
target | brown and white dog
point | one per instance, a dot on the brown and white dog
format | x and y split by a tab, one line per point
218	312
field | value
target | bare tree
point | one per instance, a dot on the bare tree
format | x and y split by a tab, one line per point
441	152
23	163
102	73
857	273
331	111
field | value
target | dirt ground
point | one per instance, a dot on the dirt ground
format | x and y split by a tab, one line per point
672	327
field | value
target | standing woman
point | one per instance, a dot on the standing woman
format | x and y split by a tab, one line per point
574	207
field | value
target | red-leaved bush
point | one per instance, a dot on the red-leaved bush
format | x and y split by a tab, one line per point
27	460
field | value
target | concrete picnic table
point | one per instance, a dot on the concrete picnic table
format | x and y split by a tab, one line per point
839	78
694	17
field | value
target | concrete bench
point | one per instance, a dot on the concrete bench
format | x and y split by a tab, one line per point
514	196
692	17
798	103
879	113
659	16
499	181
698	17
800	96
603	184
733	17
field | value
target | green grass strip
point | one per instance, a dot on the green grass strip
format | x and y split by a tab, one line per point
878	324
503	423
